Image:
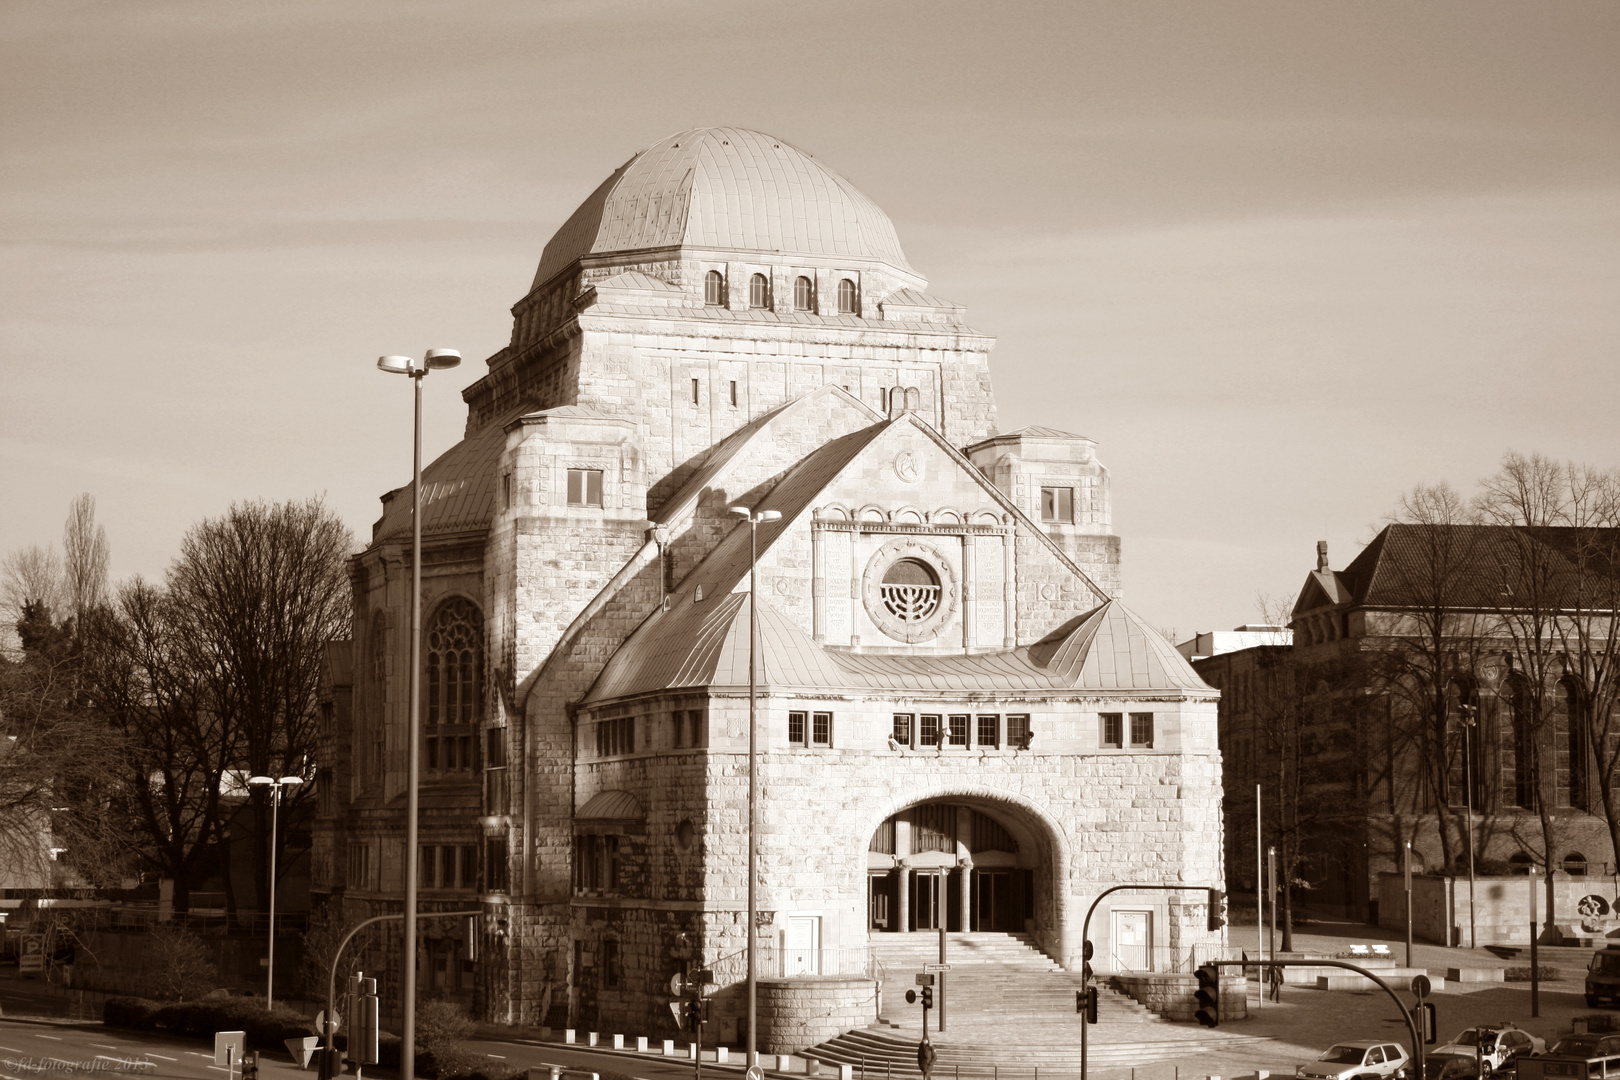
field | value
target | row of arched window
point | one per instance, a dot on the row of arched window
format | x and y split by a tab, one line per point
1569	746
759	292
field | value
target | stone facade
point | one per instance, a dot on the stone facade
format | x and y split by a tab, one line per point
957	721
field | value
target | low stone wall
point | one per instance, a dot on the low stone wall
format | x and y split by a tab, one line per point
800	1012
1172	996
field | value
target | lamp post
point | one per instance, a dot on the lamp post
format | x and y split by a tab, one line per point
433	360
754	518
1470	716
275	787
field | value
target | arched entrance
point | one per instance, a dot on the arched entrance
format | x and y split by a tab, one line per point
951	864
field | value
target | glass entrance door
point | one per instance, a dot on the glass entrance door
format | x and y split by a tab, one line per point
993	907
927	899
880	889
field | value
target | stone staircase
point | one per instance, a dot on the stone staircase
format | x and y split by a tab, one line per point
1008	1006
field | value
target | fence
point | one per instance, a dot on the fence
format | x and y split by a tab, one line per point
1165	959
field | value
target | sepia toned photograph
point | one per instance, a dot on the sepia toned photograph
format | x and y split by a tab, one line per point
953	541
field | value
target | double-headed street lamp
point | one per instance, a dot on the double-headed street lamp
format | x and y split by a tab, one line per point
276	787
1470	717
754	518
434	360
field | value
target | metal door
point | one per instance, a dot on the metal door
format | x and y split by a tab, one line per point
1133	941
803	953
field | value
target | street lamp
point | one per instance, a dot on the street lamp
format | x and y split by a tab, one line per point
434	360
754	518
275	787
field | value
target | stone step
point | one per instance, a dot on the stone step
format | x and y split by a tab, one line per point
890	1054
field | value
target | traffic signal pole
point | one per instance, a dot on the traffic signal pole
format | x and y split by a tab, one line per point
1085	937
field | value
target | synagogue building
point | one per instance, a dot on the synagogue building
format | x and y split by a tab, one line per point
960	724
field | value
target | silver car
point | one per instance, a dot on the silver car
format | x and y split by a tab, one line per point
1361	1059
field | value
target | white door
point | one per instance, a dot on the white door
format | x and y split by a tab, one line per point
803	945
1133	941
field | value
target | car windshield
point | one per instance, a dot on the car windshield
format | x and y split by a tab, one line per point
1576	1044
1343	1055
1467	1038
1606	963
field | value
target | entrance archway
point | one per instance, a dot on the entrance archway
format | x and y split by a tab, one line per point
955	864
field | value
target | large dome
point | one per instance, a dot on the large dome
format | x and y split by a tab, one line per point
725	188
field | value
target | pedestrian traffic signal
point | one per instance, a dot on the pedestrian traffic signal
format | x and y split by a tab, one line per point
1092	997
1217	909
928	997
1208	996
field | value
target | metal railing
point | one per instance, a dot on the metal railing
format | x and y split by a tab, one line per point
774	961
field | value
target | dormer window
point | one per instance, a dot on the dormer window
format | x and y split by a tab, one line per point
846	297
801	294
758	291
714	289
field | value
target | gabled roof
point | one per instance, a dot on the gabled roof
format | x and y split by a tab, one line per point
1476	567
705	644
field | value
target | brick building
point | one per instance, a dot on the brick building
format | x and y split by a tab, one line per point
960	724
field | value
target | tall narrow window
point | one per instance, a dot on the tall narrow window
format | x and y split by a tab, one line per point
1112	734
584	487
371	757
959	730
989	730
1142	730
821	729
1524	746
846	296
759	291
714	289
1057	505
796	728
928	733
694	391
801	294
1018	733
455	664
1571	705
733	393
901	732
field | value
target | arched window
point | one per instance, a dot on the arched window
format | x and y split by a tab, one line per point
759	291
801	294
1519	863
846	296
1575	864
1464	746
714	289
1572	710
455	665
371	756
1524	744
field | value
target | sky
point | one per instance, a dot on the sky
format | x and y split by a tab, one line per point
1282	260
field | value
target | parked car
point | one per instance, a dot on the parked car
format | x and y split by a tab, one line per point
1577	1057
1603	978
1498	1046
1451	1066
1362	1059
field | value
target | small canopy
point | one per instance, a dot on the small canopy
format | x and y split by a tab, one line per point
611	806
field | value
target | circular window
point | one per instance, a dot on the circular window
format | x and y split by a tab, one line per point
911	590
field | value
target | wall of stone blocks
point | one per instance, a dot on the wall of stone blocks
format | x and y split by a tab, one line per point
797	1013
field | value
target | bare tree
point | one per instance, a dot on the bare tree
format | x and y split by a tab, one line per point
85	556
31	575
264	588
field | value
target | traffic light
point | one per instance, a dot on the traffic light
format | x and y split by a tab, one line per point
1093	995
1427	1024
928	997
1217	909
1208	996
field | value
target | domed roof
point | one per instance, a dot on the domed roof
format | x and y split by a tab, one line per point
726	188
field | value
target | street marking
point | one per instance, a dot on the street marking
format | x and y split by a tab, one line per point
53	1038
105	1046
165	1057
194	1053
13	1049
501	1056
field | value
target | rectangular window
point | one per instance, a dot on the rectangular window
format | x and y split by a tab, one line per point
1018	733
989	730
929	733
1142	729
1113	729
733	393
495	749
495	864
901	732
610	964
506	491
432	753
1057	504
466	753
694	391
615	737
959	730
584	487
426	867
677	729
359	866
468	870
821	729
610	863
796	728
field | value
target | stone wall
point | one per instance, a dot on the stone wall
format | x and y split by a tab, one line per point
796	1013
1501	907
1172	996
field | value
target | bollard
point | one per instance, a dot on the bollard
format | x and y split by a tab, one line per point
721	1055
641	1044
669	1047
568	1035
618	1042
591	1039
691	1051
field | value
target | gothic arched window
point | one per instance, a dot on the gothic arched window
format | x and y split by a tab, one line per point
1524	744
846	296
1572	706
759	292
455	675
371	755
802	294
714	289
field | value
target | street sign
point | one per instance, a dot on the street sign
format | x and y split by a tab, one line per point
1420	985
936	967
925	980
228	1048
320	1023
677	984
679	1009
754	1073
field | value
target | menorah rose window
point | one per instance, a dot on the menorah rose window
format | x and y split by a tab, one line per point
911	590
